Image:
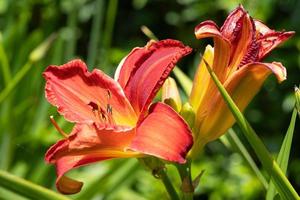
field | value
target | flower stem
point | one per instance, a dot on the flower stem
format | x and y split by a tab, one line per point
187	187
168	185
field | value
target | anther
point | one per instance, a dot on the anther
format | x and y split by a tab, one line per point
109	109
108	94
93	105
57	127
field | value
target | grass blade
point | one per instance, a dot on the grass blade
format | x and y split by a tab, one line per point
4	64
184	80
108	32
238	146
27	188
95	33
37	54
284	153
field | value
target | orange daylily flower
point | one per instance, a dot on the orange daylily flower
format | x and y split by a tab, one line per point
113	117
239	46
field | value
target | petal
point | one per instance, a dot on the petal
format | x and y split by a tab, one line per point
163	134
242	86
244	45
144	70
202	79
231	25
88	139
85	145
239	29
128	65
78	94
222	47
269	39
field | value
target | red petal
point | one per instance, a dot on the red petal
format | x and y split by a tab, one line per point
269	39
77	93
232	23
164	134
239	29
85	145
144	70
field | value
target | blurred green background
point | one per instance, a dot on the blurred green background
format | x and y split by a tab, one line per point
102	32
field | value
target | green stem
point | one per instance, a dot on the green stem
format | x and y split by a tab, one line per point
71	42
168	185
187	187
108	31
26	188
280	181
95	33
17	78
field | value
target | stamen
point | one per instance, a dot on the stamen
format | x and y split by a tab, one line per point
109	109
93	105
57	127
109	114
108	94
103	115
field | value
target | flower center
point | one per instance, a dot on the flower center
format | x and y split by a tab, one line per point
103	115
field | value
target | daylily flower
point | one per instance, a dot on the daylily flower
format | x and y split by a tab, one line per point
239	46
114	118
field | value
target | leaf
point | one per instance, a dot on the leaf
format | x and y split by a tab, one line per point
284	154
280	181
238	146
184	80
26	188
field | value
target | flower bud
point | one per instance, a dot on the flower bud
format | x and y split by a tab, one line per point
188	114
170	94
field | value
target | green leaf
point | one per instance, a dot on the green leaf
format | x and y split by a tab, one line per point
6	73
237	145
284	153
27	188
95	34
280	181
107	184
37	54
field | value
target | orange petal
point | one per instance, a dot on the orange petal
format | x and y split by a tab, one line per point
201	80
144	70
222	47
85	145
269	39
242	86
163	134
78	94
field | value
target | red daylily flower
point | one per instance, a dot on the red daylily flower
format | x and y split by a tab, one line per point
113	117
239	46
